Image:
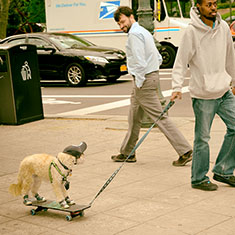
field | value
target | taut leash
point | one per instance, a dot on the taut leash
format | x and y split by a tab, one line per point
133	150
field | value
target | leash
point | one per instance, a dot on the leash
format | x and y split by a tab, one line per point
133	150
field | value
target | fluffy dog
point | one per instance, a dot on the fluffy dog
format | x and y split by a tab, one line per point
43	167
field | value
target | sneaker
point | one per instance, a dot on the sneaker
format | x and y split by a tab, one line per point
39	198
206	185
64	204
69	201
225	179
187	157
26	201
122	157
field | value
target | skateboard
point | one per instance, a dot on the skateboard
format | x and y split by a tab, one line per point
74	210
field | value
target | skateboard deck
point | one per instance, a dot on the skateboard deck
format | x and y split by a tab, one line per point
74	210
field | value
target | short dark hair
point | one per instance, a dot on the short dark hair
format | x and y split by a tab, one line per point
199	2
122	10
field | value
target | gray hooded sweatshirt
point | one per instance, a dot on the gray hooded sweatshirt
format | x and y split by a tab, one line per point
210	55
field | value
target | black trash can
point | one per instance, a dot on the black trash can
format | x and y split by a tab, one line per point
20	91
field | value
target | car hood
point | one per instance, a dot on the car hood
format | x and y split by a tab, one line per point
109	53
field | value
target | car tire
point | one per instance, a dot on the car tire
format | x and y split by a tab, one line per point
168	55
74	75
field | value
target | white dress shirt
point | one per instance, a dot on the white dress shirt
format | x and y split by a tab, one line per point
142	54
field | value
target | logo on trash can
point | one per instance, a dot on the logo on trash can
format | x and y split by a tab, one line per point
26	71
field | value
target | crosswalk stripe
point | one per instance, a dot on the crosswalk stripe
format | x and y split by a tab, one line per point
108	106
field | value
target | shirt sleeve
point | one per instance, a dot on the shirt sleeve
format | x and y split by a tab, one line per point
230	58
138	57
180	68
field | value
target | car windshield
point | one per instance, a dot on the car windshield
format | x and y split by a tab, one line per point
69	41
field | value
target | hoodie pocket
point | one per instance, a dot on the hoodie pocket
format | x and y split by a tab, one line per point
216	83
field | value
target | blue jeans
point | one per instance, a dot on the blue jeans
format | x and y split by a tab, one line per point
205	111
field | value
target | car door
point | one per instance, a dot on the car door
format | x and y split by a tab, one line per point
49	65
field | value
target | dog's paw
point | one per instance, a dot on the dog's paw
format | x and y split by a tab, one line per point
64	204
39	198
69	201
27	201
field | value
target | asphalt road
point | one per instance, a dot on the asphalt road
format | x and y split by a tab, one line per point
102	98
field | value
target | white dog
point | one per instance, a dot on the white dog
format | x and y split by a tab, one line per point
42	167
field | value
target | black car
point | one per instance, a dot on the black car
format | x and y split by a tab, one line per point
67	57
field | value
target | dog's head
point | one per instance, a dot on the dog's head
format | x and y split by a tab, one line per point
76	151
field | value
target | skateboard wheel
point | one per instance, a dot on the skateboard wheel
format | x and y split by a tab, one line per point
45	209
33	212
68	218
81	213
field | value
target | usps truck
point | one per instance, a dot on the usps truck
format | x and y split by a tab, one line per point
93	19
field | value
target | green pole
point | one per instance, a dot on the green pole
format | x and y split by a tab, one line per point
145	19
230	9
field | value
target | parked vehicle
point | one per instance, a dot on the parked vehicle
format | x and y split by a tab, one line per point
67	57
93	20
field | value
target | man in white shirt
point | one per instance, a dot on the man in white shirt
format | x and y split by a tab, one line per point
143	62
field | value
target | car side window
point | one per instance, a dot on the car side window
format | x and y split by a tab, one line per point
16	41
38	42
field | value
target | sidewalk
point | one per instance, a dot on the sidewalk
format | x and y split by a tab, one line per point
149	197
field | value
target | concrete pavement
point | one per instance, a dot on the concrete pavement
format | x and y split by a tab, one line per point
148	197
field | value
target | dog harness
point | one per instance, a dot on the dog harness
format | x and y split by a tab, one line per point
64	177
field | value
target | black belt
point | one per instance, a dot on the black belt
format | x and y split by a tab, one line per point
146	73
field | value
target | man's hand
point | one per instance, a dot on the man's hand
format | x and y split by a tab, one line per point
176	95
233	90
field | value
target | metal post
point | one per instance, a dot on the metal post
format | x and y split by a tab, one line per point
230	11
145	19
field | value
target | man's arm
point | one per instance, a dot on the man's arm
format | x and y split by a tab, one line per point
230	59
184	55
138	58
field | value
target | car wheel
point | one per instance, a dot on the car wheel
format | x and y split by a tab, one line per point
168	55
75	75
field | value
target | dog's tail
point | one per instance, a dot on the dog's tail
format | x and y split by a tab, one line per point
15	189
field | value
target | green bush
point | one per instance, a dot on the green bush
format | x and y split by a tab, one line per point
225	5
225	16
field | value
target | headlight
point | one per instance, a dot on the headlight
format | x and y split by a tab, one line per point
96	59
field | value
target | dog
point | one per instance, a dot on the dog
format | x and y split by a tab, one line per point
43	167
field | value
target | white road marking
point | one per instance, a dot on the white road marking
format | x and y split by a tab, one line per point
169	79
86	96
54	101
97	108
108	106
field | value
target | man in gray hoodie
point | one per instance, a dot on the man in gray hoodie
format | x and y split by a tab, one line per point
207	48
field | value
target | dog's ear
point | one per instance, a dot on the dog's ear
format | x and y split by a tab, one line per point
66	159
64	156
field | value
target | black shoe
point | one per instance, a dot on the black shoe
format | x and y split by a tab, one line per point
225	179
187	157
122	157
206	185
